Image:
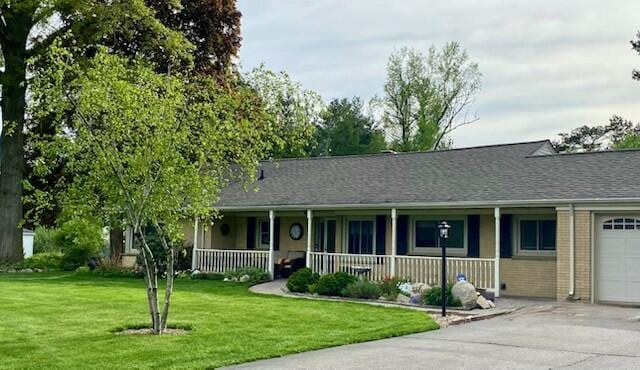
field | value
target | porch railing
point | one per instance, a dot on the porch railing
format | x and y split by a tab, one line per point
479	271
222	260
372	266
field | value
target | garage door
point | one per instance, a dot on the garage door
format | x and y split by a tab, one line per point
618	259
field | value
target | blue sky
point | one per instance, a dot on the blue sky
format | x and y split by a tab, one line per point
547	66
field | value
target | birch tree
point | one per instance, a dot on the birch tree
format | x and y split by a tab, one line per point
150	147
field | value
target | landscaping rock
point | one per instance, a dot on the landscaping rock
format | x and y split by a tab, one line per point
483	302
416	298
37	270
27	270
466	293
420	288
403	299
244	278
11	271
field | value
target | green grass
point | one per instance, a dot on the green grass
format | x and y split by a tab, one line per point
67	321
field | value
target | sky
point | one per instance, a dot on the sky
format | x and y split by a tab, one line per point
547	66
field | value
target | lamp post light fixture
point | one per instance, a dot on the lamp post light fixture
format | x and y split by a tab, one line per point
444	235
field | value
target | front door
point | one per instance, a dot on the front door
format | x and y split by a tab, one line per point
325	235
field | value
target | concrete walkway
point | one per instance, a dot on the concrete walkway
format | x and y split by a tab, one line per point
543	336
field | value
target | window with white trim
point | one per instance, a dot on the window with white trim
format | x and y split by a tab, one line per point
536	235
424	235
360	235
262	233
621	224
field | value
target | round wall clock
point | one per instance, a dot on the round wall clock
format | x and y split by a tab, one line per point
295	231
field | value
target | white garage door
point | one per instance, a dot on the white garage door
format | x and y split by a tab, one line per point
618	259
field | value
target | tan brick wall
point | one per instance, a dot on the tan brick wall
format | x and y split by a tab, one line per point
582	255
523	276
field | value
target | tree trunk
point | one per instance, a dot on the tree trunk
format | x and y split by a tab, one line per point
12	152
169	288
116	243
151	279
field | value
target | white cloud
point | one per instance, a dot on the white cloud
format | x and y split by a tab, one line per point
547	66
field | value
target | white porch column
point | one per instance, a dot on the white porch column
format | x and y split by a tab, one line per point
309	237
394	242
272	219
496	277
195	245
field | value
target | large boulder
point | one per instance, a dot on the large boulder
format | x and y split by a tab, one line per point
420	288
466	293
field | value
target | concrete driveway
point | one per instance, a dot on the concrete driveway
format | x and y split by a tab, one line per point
545	335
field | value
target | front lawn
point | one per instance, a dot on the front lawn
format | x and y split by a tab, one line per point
65	321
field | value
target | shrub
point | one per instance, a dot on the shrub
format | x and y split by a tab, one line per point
79	240
300	280
44	240
207	276
363	289
112	271
255	274
333	284
434	297
389	288
44	261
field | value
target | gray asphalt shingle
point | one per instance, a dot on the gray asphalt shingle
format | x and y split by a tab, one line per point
481	174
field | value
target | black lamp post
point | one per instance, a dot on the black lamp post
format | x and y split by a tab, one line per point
444	235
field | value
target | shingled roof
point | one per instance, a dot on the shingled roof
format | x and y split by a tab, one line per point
510	173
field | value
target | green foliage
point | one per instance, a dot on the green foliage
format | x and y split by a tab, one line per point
293	112
300	280
112	271
207	276
434	297
332	284
346	129
619	133
44	240
78	239
427	97
389	287
365	289
255	274
44	261
629	142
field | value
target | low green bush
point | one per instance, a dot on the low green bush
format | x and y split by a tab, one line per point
363	289
300	280
207	276
255	274
44	261
111	271
389	288
44	240
333	284
434	297
79	239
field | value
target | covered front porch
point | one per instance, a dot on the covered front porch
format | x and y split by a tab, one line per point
381	243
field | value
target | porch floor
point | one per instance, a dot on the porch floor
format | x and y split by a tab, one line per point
503	305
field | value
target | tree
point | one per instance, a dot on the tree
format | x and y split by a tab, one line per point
599	137
346	129
428	97
212	26
26	31
635	45
151	148
295	112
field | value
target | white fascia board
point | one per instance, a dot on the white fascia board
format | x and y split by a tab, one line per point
556	203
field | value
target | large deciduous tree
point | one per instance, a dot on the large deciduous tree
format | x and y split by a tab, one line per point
427	97
27	29
598	137
295	111
149	148
212	26
346	129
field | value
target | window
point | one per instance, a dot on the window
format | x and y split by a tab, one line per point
425	235
263	234
621	224
537	235
360	236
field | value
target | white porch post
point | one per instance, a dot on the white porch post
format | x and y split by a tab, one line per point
271	240
309	238
195	244
496	278
394	242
